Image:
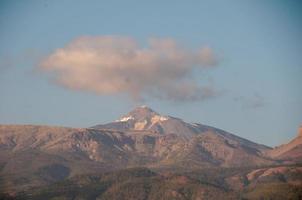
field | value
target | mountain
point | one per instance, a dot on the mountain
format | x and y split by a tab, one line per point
34	156
291	151
180	140
144	118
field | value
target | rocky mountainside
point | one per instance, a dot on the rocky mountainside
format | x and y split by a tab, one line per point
291	151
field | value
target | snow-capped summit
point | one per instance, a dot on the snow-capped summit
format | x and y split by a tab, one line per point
141	118
124	119
145	118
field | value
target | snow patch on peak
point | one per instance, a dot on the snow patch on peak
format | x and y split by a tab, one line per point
162	118
140	125
125	119
195	124
157	118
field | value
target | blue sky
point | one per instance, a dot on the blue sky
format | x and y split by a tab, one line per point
258	44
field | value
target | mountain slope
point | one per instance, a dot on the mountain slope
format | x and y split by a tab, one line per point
137	183
291	151
212	183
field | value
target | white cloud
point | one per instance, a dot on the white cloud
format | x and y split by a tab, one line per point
116	64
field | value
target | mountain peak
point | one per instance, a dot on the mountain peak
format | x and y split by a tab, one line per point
140	118
139	113
144	106
143	118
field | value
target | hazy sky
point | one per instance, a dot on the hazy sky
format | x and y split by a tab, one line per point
235	65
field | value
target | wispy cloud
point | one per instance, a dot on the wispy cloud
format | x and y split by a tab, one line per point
254	101
116	64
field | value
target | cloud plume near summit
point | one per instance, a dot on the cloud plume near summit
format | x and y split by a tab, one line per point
116	64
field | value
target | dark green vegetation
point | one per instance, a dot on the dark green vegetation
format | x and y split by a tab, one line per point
146	184
136	183
276	191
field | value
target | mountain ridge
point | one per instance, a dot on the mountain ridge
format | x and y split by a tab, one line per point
291	151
